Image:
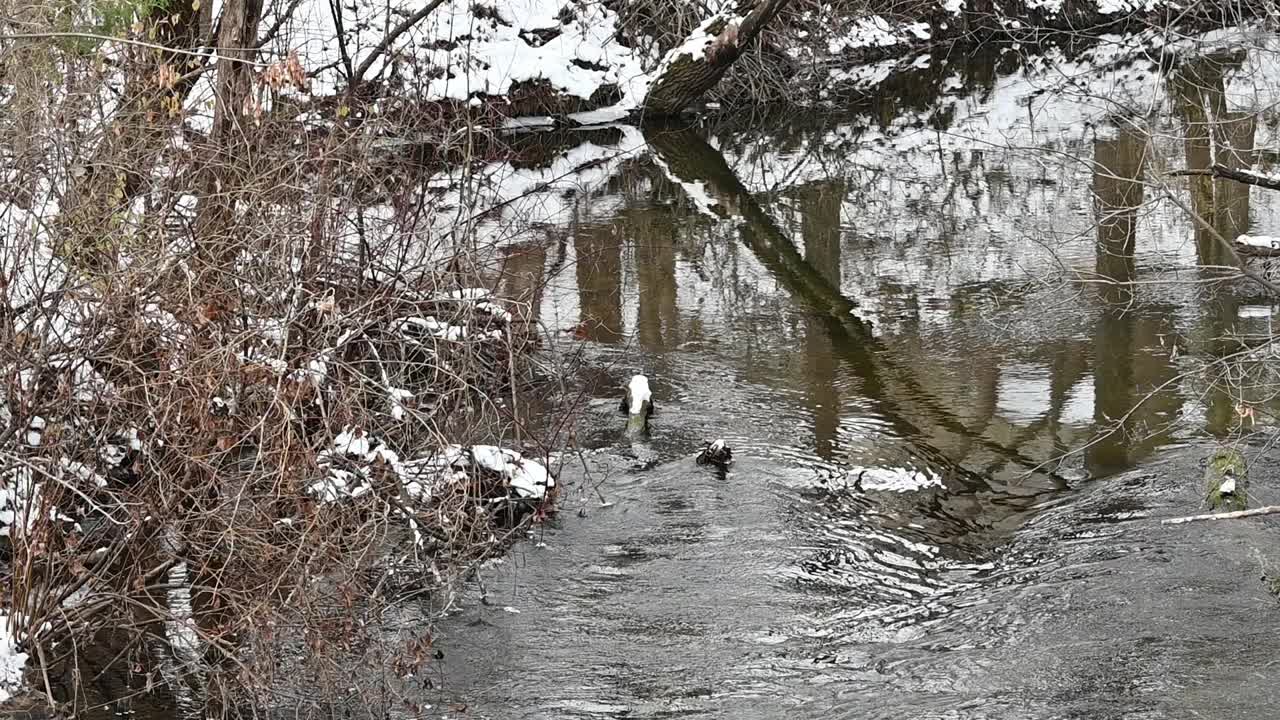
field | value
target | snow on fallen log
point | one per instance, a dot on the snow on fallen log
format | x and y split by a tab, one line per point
1258	245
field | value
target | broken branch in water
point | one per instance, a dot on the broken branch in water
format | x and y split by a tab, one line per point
1248	177
1222	241
1268	510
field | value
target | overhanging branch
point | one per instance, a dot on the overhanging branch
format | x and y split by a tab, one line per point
1248	177
391	37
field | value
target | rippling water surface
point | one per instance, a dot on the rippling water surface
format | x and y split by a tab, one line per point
902	318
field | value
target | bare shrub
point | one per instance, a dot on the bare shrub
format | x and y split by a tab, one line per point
243	375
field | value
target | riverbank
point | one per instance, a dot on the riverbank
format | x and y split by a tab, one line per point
557	57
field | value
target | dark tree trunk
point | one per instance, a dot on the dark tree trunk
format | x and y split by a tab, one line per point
157	84
237	42
698	64
237	47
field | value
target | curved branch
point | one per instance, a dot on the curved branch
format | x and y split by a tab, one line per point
281	19
1230	247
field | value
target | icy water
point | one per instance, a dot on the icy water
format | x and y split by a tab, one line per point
905	320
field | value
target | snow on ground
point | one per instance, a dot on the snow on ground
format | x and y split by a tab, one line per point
11	661
464	48
875	31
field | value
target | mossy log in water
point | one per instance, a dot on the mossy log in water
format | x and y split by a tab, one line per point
1226	480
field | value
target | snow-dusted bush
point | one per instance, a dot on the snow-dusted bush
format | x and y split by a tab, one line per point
255	387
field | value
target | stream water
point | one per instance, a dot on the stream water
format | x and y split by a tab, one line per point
906	322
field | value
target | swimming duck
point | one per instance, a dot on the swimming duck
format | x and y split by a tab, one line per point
717	453
637	403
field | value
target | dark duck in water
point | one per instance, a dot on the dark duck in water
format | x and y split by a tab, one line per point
717	453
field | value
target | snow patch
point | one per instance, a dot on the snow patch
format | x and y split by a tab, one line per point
459	53
1266	242
1251	312
11	661
347	465
872	31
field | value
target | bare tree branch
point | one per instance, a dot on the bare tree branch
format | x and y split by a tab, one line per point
390	39
1225	243
1248	177
1267	510
281	19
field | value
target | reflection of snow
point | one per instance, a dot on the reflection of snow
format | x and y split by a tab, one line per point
526	198
1079	407
1023	391
1001	195
1253	312
893	479
928	212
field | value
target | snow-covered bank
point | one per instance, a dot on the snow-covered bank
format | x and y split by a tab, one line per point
565	55
11	661
463	50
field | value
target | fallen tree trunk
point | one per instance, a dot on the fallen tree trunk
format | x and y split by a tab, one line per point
702	59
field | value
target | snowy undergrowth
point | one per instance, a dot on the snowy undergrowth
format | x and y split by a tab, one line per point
355	455
11	661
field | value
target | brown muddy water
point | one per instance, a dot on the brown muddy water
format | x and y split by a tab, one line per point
913	320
